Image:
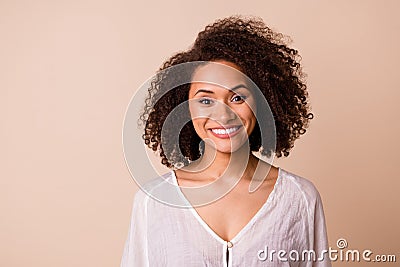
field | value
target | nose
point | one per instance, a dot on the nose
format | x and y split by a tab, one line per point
223	113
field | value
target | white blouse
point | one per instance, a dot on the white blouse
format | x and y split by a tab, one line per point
288	230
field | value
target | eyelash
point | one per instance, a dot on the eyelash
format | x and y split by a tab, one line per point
242	97
204	100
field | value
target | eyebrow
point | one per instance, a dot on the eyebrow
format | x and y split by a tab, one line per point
211	92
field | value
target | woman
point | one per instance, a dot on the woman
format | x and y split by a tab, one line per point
240	210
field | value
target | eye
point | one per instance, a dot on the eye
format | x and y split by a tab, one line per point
206	101
239	98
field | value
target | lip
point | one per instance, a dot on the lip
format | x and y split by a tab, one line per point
225	132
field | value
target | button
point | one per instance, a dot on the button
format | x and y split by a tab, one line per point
229	244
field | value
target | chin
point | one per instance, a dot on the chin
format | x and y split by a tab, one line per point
228	149
229	145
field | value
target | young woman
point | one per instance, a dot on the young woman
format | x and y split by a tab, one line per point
245	94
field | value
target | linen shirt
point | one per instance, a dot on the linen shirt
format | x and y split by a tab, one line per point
287	230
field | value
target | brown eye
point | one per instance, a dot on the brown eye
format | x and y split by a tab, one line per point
206	101
238	98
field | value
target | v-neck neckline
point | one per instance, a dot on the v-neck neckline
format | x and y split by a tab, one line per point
245	228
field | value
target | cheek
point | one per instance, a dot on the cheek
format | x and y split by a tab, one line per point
246	114
248	118
251	112
198	125
195	114
193	111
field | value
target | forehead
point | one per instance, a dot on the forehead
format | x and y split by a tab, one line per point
223	75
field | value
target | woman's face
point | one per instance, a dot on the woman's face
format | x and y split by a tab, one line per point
222	117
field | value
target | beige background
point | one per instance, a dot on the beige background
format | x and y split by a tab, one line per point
69	68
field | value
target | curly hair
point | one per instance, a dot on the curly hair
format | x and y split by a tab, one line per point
261	54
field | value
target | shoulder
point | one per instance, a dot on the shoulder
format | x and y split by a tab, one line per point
157	182
299	187
154	190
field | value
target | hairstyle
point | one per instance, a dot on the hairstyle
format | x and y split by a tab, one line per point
261	54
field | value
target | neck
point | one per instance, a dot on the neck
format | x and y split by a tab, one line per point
216	164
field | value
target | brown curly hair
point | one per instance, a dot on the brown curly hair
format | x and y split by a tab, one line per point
261	54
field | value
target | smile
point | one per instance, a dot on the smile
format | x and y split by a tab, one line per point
225	132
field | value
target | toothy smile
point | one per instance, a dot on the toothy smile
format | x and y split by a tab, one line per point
225	132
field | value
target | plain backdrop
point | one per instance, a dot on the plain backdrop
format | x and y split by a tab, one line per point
69	68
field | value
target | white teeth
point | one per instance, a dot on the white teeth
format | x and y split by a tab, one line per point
225	131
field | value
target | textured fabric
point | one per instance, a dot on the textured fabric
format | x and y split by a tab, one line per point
292	219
